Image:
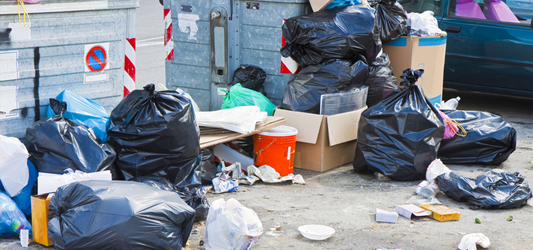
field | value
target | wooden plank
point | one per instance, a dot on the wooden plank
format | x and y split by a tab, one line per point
212	140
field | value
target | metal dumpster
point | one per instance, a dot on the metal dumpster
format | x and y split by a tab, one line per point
206	40
86	46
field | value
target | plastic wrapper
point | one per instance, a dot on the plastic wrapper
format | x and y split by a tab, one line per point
12	220
303	93
423	24
194	197
331	104
391	19
230	225
23	199
60	144
469	241
118	215
250	76
340	33
381	81
400	135
489	139
13	165
155	134
239	96
84	111
496	189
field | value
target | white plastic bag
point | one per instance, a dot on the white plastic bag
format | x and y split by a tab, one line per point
469	241
435	169
424	24
14	172
230	225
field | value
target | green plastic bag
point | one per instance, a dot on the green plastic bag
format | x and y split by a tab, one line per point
239	96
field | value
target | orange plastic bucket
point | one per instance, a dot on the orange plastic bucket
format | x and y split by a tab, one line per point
275	147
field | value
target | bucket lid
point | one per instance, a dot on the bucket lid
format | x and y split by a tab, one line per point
282	130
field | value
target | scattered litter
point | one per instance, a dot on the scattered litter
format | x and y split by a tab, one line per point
435	169
427	189
421	200
510	218
496	189
126	212
24	237
230	225
469	241
201	243
195	231
477	221
410	210
386	216
271	210
316	232
442	213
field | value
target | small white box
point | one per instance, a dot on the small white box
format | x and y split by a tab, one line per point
386	216
410	210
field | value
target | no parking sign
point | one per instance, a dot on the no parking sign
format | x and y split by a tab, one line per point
96	57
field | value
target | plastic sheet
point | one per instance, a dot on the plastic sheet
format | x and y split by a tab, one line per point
154	134
13	165
250	76
61	144
400	135
391	19
84	111
23	199
194	197
496	189
230	225
118	215
381	81
489	139
239	96
303	93
340	33
12	220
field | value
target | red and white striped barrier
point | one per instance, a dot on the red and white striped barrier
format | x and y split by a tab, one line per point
288	65
129	66
169	45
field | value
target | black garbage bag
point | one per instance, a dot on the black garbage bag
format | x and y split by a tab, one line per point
381	81
118	215
250	76
208	167
339	33
400	135
59	144
194	197
303	91
155	134
390	18
496	189
489	139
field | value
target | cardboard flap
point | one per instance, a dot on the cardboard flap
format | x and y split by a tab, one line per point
308	125
343	127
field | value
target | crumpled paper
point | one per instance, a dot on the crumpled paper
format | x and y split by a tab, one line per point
469	241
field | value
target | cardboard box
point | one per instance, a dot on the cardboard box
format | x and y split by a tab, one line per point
323	142
386	216
410	210
39	219
317	5
442	213
426	53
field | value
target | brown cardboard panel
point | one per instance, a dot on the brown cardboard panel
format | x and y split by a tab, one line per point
319	4
307	124
343	127
338	155
39	216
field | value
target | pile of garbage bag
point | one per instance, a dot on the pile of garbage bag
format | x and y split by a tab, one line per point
118	215
155	134
399	137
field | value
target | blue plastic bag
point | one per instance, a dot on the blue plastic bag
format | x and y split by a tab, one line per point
341	3
12	220
23	199
85	111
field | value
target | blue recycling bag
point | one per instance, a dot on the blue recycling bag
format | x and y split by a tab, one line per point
85	111
12	220
341	3
23	199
